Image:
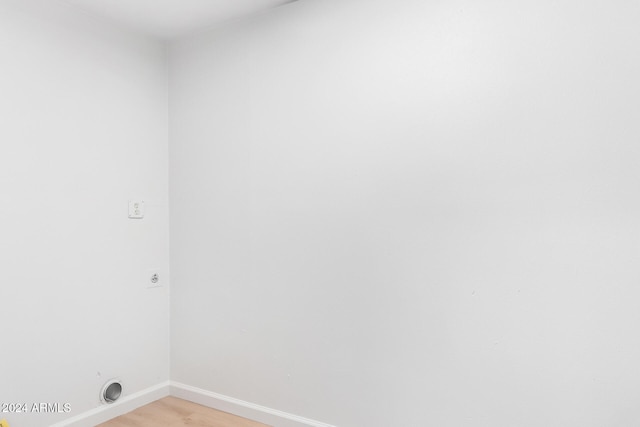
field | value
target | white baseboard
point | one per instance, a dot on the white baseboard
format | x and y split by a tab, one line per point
241	408
207	398
126	404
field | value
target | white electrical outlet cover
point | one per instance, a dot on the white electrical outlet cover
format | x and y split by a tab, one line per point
154	278
136	209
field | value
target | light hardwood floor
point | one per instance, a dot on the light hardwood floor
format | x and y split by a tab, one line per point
174	412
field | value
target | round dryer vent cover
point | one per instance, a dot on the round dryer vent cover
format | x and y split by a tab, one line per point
111	391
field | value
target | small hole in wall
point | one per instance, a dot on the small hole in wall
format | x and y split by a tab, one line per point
111	392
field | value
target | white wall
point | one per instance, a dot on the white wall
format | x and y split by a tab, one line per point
411	213
83	128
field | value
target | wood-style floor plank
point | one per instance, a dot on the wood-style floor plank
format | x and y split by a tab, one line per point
174	412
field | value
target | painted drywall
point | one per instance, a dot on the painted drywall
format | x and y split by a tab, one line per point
411	213
83	129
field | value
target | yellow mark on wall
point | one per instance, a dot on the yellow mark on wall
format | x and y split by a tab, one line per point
4	423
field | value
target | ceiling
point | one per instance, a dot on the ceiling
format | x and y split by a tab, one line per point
168	19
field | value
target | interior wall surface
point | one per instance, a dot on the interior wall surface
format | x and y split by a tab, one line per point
411	213
83	129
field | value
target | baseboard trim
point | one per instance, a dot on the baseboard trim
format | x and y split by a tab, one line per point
241	408
126	404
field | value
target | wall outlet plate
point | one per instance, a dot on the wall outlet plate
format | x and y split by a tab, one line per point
154	278
136	209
